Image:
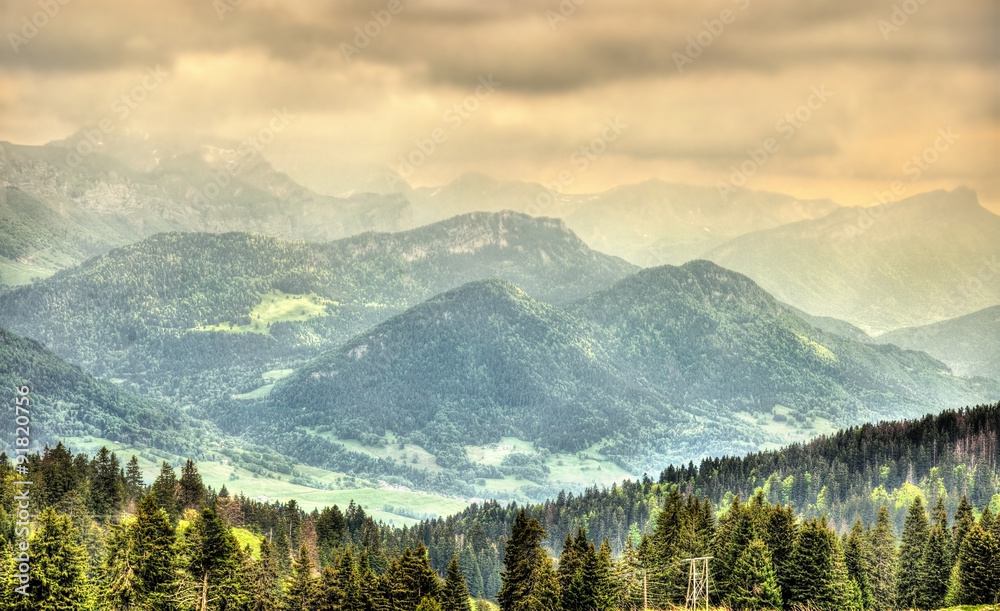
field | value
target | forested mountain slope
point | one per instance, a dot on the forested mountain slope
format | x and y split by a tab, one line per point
65	402
671	362
201	316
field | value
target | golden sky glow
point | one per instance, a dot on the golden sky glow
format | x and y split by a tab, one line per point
564	69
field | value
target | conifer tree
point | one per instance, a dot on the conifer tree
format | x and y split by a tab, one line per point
455	596
212	558
58	580
164	492
607	587
302	592
857	558
155	563
470	569
262	579
107	488
978	568
883	563
964	521
934	571
819	577
529	582
753	584
915	533
779	536
410	579
134	486
192	490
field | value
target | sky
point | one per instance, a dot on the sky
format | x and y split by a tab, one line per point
839	99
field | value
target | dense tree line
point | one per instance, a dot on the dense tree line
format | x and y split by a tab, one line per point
603	549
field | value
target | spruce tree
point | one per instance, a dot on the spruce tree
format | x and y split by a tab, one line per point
212	557
107	488
978	568
302	592
155	561
455	596
934	572
915	533
529	582
608	590
262	580
857	558
779	536
819	577
470	569
964	521
753	584
883	563
164	492
134	486
191	492
58	580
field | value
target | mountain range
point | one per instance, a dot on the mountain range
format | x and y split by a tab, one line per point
58	209
668	362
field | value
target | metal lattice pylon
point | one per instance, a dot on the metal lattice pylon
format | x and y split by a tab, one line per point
697	582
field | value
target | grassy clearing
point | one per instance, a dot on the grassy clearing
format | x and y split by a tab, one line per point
277	306
784	429
270	377
41	265
277	487
410	454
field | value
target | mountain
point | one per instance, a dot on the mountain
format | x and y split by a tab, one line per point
924	259
969	344
670	362
655	222
650	223
66	402
58	208
466	367
170	314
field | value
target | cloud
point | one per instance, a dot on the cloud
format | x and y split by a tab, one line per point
560	81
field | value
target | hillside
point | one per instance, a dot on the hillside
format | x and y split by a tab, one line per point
65	402
924	259
197	317
58	210
671	362
969	344
467	367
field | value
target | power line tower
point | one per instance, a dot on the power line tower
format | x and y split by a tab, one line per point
697	583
